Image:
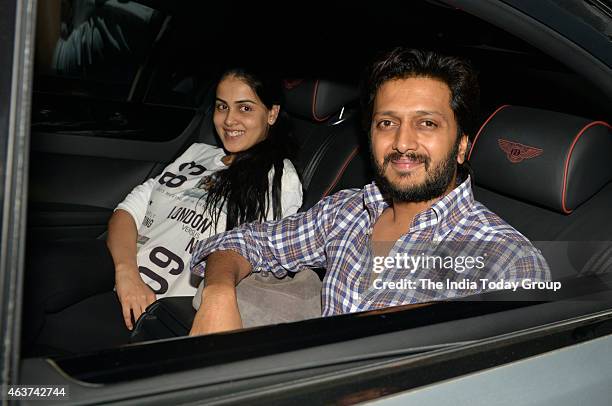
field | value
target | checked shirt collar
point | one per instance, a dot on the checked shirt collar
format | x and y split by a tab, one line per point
441	217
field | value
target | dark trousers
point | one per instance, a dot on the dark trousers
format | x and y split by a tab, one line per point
69	304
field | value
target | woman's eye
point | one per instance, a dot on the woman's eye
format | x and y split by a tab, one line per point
221	107
245	108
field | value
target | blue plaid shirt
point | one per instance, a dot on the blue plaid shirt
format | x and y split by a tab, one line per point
335	235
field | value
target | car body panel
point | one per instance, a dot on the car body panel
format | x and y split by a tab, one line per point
327	384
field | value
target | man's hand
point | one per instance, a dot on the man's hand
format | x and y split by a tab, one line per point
133	293
219	308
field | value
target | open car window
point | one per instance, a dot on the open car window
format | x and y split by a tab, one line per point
110	114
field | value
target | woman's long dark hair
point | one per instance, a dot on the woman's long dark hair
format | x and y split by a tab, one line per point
244	185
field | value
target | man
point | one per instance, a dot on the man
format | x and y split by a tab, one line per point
420	106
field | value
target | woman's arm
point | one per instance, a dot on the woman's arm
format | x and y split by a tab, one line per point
133	293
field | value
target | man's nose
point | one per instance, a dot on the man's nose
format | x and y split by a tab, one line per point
405	139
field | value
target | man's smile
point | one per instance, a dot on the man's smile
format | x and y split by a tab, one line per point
406	164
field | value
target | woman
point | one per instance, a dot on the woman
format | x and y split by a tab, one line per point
206	190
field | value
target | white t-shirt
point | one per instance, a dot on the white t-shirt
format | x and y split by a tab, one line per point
169	212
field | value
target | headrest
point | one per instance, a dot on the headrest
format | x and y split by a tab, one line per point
317	100
551	159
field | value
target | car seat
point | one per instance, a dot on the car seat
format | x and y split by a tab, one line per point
548	175
325	119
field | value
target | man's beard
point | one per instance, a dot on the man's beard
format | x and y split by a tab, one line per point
437	179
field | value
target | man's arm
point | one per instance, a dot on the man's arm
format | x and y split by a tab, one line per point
278	246
521	261
219	308
532	265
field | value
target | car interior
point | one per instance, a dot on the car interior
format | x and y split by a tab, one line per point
92	142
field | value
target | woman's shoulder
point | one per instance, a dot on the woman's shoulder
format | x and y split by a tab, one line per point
290	174
290	178
288	167
198	148
202	152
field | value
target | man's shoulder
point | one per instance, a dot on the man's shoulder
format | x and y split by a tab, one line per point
491	227
506	244
344	197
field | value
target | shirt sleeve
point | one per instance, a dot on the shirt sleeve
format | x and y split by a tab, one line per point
521	261
277	246
137	201
530	264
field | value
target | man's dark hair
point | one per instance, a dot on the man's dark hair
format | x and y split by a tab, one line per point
403	63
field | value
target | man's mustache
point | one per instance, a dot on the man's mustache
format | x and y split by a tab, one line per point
410	155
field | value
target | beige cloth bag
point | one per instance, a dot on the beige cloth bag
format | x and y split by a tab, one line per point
265	299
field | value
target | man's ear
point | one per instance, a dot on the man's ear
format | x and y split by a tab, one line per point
463	149
273	114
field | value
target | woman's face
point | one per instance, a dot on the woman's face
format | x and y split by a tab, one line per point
241	118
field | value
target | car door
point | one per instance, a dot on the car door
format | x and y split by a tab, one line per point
15	31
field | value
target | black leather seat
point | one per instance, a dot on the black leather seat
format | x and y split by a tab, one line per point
549	175
326	127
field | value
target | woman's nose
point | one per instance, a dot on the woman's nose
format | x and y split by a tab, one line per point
230	117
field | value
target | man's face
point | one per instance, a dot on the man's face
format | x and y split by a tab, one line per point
414	143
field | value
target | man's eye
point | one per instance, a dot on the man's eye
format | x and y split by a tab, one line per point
429	124
384	124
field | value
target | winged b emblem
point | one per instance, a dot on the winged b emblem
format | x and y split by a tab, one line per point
516	152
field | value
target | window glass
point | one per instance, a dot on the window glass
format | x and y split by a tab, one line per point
96	42
99	49
94	62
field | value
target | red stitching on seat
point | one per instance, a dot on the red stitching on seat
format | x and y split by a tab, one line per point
341	172
314	104
569	156
483	126
291	84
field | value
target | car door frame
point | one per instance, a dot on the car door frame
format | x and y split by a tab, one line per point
16	47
